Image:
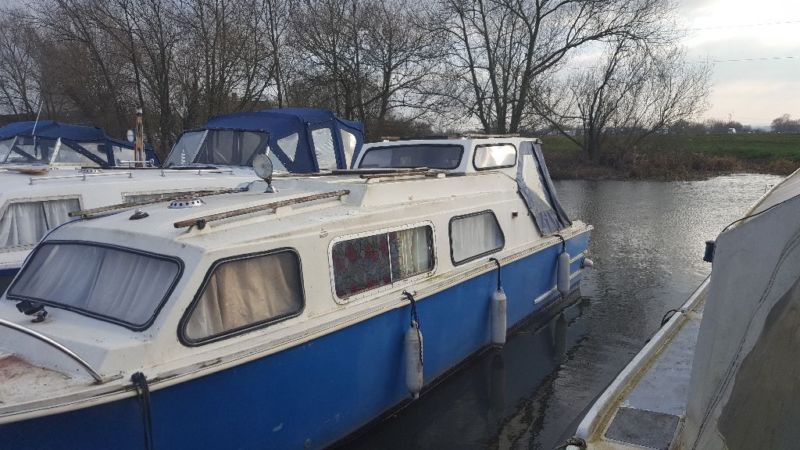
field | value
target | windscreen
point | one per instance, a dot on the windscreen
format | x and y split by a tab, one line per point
119	285
408	156
29	150
217	147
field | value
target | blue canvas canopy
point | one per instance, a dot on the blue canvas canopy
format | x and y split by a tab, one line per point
301	139
74	136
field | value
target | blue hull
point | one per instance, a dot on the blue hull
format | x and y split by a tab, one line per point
311	395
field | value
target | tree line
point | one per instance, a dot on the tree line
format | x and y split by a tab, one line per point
402	67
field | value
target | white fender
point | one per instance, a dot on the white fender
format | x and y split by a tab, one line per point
562	281
413	356
499	317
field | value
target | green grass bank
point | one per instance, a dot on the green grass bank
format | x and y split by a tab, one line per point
678	157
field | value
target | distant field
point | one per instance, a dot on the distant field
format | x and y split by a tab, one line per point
745	146
680	157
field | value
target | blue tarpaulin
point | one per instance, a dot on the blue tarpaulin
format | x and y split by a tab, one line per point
74	134
303	139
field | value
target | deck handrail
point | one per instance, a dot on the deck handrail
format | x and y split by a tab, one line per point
51	342
201	222
83	176
168	197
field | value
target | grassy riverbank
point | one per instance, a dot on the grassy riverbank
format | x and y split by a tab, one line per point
679	157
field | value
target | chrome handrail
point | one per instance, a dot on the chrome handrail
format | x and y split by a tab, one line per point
35	334
83	176
195	171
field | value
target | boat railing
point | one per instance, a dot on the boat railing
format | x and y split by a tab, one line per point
58	346
168	197
82	176
200	222
164	172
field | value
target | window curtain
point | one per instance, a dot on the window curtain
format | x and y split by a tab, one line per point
538	192
110	282
246	292
24	223
474	235
361	264
410	252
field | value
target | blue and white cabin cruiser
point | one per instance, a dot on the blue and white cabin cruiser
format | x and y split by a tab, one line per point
35	198
287	316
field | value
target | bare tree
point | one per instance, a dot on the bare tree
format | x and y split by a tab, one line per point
19	67
501	47
635	91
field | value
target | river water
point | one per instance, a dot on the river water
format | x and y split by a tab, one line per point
647	247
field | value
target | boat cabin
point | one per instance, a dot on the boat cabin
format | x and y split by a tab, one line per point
55	144
297	140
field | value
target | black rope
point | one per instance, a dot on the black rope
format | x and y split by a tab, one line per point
668	315
575	441
415	322
563	242
143	393
499	283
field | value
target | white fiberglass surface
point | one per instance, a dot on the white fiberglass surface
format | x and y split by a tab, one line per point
111	283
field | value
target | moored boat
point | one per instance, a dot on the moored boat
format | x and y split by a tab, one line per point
286	316
36	195
721	373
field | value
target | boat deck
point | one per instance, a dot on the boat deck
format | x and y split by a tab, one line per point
646	403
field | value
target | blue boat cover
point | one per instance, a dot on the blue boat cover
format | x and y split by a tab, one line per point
545	208
311	153
50	129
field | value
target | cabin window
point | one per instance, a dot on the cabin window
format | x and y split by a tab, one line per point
474	235
373	261
323	147
289	145
244	293
123	286
494	156
349	141
24	223
217	147
31	149
123	154
431	156
66	154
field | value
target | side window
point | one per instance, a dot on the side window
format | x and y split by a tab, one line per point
24	223
494	156
474	235
324	149
289	145
349	141
245	293
370	262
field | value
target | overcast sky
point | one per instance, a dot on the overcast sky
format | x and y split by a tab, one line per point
752	92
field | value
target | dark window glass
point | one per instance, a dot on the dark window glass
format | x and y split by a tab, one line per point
409	156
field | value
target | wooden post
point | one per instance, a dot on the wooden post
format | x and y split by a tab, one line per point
138	149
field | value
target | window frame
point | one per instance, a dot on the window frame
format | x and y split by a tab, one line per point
4	208
475	153
101	317
364	152
386	287
228	334
480	255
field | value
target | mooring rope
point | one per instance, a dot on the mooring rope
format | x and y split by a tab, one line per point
139	381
